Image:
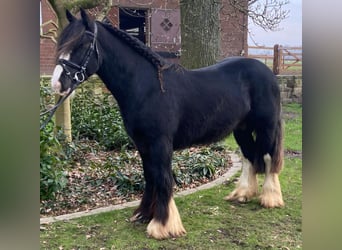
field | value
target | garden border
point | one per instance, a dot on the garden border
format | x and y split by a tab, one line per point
236	166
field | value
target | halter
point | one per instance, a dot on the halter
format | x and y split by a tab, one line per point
78	77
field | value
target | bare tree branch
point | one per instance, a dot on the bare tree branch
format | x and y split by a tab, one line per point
267	14
99	8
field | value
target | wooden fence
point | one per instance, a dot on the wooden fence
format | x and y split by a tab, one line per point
281	59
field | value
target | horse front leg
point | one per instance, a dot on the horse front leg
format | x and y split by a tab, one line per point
144	213
158	202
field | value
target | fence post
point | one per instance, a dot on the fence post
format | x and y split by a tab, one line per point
276	59
63	118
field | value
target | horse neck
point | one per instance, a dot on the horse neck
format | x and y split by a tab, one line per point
121	68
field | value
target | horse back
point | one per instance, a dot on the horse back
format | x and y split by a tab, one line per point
214	100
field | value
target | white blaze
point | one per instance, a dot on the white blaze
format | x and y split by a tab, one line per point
57	72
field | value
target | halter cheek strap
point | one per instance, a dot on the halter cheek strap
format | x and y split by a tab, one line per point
80	75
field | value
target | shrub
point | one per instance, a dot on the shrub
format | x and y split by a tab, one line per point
97	117
52	159
192	164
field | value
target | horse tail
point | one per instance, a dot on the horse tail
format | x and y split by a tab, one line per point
278	149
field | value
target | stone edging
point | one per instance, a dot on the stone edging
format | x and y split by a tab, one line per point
236	166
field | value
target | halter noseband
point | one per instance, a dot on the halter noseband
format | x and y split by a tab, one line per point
80	75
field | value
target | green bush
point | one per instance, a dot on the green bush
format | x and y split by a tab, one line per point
190	165
52	159
97	117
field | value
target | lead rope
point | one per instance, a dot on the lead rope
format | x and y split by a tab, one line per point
52	110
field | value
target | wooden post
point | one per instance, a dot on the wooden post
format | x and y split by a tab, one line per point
63	118
276	59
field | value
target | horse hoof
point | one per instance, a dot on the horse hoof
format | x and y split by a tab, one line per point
159	231
241	195
139	218
274	201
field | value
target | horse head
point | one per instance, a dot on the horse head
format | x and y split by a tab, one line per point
77	56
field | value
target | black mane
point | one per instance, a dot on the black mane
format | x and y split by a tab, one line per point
76	30
136	44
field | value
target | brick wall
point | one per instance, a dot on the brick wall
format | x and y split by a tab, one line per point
233	35
233	31
47	45
146	4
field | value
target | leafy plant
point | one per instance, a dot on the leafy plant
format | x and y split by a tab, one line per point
196	163
97	117
131	183
52	159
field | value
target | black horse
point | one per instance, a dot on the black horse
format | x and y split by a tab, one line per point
166	107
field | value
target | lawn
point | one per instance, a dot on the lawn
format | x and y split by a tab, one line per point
211	222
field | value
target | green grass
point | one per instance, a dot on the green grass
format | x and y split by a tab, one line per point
292	114
290	68
211	222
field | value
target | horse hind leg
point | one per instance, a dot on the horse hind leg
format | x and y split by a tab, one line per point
271	195
247	187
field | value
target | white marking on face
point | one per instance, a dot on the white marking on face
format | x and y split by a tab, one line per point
57	72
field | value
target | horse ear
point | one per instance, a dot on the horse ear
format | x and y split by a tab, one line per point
85	19
69	16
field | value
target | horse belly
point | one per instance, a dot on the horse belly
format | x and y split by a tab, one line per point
202	132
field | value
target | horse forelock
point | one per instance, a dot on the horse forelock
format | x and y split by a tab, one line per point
70	38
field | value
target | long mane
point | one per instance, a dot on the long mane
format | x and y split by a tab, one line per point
137	45
71	38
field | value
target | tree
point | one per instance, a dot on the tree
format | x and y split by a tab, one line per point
63	113
200	24
267	14
200	32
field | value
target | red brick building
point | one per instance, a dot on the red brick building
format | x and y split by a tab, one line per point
156	23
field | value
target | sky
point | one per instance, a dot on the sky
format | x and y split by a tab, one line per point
290	33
